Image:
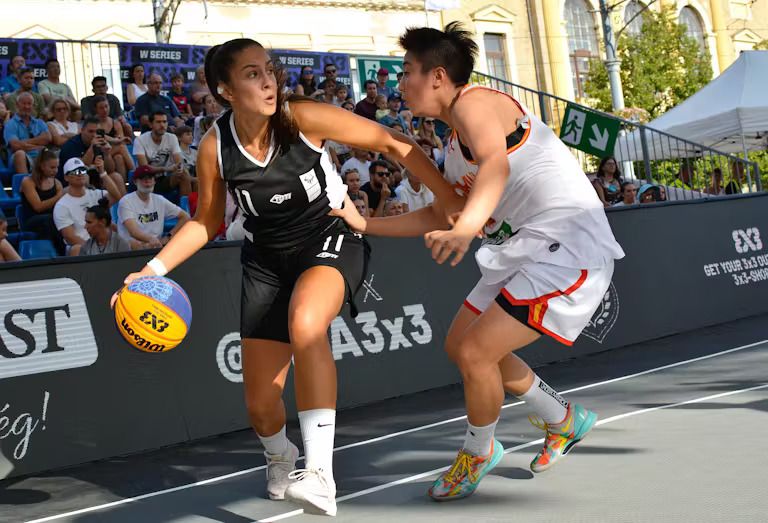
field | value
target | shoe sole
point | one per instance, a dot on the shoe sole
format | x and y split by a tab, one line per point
310	507
495	460
586	427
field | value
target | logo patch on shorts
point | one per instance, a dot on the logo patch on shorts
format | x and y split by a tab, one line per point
280	198
604	317
327	255
554	247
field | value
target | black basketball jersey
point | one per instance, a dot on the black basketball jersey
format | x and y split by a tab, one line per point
286	198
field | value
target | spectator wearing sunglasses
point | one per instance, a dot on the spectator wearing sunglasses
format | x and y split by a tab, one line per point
331	76
69	211
377	189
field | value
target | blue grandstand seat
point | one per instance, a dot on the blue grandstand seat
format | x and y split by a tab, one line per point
184	204
16	184
8	203
31	249
15	237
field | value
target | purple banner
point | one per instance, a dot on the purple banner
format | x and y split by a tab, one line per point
35	52
185	59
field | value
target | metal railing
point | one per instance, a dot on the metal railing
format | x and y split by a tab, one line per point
685	168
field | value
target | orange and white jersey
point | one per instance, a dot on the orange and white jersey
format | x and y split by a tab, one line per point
549	211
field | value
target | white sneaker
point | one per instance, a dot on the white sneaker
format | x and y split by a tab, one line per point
313	490
278	471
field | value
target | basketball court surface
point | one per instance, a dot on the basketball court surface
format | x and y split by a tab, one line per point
680	438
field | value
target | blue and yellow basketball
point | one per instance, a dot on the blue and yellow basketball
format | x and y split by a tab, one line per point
153	313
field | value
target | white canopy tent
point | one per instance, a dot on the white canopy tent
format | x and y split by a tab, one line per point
729	114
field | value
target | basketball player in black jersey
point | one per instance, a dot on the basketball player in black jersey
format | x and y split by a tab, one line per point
300	264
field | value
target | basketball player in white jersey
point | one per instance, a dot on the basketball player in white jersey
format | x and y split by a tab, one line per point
546	259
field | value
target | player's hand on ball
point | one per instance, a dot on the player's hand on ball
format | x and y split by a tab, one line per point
128	279
446	243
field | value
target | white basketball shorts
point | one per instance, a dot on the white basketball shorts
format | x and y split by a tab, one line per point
556	301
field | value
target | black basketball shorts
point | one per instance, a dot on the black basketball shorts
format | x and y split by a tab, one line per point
269	278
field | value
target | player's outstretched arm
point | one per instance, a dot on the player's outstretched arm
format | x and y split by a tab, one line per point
195	233
319	122
405	225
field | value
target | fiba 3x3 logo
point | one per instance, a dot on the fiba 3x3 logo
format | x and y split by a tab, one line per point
604	317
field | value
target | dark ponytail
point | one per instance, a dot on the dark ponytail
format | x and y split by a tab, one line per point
218	64
101	211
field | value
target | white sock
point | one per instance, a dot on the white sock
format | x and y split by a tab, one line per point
318	426
276	444
478	439
545	402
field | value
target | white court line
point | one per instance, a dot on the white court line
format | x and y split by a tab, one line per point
539	441
380	438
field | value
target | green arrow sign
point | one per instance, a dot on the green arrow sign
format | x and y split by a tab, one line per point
367	66
588	131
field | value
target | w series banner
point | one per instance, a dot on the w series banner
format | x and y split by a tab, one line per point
185	59
35	52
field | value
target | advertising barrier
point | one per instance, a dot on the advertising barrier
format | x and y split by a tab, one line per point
72	391
35	53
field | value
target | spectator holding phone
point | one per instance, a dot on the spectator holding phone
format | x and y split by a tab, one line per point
89	145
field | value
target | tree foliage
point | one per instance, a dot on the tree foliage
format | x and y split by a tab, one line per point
660	67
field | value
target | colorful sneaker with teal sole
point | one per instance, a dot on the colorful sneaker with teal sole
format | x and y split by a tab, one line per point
462	479
562	437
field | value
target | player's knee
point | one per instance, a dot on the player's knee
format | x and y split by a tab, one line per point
469	357
306	327
261	405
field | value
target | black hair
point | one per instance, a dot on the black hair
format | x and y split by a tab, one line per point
600	172
174	76
156	113
218	64
452	49
50	61
101	211
99	99
132	69
370	82
90	120
624	185
98	79
377	163
25	70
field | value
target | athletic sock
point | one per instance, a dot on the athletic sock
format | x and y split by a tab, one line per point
276	444
318	427
477	441
545	402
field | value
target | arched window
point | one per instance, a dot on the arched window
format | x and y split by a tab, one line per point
693	25
632	17
582	41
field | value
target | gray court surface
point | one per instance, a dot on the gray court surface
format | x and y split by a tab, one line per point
680	439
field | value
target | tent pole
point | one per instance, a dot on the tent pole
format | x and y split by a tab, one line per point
746	165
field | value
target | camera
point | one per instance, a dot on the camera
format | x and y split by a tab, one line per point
94	179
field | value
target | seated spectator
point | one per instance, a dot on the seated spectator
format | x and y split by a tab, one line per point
179	95
89	146
648	193
142	214
348	106
381	107
628	194
351	178
113	134
98	225
69	211
26	85
327	95
360	205
395	173
715	187
152	102
367	106
188	153
397	127
382	77
100	88
377	189
607	184
211	108
52	88
5	115
427	132
341	95
61	127
414	194
25	135
39	194
737	184
10	83
393	207
197	91
393	113
358	162
428	147
7	252
307	84
160	150
136	87
331	77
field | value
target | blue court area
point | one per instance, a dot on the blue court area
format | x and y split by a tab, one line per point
678	439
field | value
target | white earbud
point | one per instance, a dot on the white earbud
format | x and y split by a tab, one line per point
220	90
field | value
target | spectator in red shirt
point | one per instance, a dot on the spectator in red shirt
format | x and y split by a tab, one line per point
179	96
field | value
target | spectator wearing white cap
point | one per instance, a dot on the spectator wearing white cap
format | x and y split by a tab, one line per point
141	214
69	211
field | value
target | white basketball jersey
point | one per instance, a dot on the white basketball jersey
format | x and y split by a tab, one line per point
549	211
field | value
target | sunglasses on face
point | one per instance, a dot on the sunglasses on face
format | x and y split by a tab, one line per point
330	71
382	173
80	171
306	72
429	121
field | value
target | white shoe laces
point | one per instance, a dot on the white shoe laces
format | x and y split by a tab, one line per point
301	474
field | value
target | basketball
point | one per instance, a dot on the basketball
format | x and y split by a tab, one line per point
153	313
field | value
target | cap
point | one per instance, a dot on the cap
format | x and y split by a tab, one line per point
73	164
143	171
383	70
394	96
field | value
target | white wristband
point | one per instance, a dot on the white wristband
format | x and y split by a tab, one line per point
157	266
